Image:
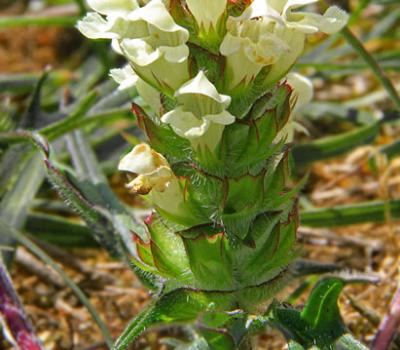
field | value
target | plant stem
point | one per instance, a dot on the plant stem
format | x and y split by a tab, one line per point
377	70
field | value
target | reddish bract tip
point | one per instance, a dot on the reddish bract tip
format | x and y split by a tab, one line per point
148	219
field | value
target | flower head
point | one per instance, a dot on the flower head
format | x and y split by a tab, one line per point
147	36
269	33
201	113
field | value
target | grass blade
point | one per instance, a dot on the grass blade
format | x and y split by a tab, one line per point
375	211
333	146
379	73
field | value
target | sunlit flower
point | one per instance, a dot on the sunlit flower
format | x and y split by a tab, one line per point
149	38
269	33
201	114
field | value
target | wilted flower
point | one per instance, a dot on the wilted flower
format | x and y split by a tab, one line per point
149	38
201	114
151	168
155	179
270	33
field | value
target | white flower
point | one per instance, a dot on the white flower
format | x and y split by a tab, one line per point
201	113
127	79
155	179
114	25
149	38
151	168
207	13
269	33
158	51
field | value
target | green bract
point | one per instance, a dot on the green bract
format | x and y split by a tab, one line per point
219	108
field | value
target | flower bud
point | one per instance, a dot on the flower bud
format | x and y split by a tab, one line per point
201	113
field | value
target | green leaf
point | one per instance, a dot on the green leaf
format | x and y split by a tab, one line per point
16	202
18	21
321	310
319	323
59	231
181	305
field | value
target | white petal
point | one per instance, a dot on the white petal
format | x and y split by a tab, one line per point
207	12
176	54
94	26
258	8
142	160
139	51
113	7
202	86
150	95
185	124
125	77
295	41
156	14
157	180
302	87
115	45
292	4
223	118
334	20
230	44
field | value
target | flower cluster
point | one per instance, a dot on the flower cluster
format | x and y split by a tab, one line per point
160	43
